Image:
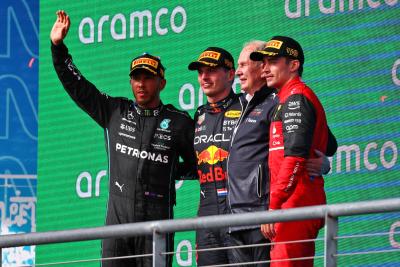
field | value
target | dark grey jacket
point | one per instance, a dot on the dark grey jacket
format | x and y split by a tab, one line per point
248	173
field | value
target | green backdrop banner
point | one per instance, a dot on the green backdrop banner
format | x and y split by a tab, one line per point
352	63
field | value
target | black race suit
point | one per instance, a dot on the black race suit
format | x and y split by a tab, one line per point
143	148
213	129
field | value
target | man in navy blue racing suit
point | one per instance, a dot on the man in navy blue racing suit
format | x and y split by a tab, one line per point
214	124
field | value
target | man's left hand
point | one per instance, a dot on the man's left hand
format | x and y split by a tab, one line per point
319	165
268	230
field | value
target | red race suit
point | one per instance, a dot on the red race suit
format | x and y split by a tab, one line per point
298	128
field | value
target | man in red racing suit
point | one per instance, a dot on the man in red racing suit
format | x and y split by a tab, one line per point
298	128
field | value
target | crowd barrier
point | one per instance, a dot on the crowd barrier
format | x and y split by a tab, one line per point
159	229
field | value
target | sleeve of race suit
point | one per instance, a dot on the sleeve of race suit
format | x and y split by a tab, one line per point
332	144
330	151
298	123
82	92
187	169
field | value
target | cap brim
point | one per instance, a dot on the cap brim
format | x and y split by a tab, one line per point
195	65
143	68
259	55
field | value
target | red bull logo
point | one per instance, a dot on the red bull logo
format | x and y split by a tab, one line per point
213	174
212	155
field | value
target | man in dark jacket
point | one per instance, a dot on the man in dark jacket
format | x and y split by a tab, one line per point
144	140
248	183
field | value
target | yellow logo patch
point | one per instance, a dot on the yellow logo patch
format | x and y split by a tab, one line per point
292	52
274	44
145	61
233	114
210	54
277	110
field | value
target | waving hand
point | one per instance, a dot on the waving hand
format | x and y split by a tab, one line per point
60	27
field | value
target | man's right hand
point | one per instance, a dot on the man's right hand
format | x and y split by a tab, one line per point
60	27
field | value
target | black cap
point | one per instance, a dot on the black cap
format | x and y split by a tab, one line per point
280	46
149	63
213	57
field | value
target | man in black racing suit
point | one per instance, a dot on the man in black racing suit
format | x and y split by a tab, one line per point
144	140
214	124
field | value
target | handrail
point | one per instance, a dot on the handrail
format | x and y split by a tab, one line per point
217	221
179	225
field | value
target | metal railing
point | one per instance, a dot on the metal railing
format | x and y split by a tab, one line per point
159	229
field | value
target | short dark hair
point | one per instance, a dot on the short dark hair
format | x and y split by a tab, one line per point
300	69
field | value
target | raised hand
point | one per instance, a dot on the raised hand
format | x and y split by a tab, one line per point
60	27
